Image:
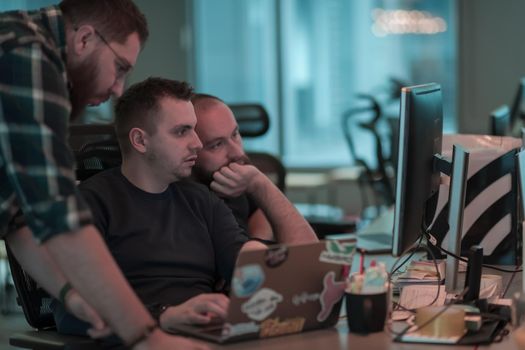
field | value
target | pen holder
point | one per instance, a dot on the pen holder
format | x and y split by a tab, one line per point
366	313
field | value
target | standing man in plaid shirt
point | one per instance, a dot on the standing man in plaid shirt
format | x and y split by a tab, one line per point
54	62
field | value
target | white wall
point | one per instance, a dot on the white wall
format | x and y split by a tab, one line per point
169	50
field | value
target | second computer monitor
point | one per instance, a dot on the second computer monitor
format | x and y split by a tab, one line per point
500	124
518	105
420	136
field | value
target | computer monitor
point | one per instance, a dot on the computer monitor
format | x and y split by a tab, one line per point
518	105
500	121
417	180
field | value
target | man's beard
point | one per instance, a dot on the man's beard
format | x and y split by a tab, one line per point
83	85
206	177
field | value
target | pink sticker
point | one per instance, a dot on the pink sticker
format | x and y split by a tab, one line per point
332	292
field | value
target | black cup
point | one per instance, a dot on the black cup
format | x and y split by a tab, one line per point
366	313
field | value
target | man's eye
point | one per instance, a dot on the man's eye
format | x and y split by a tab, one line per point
215	145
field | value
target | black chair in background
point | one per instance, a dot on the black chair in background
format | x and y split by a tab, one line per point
35	303
95	147
253	121
252	118
379	179
271	166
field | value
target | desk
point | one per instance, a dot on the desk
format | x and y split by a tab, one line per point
339	338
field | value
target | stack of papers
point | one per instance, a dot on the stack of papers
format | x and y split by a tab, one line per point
422	272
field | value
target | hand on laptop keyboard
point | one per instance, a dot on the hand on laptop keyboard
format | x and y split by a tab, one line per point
201	309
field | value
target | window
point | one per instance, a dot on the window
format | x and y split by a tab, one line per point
305	61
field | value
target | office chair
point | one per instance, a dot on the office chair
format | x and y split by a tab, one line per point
271	166
252	118
253	121
95	147
35	303
378	179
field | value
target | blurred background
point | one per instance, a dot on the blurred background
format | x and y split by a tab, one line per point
324	70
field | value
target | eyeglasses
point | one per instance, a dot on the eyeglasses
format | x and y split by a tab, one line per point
122	65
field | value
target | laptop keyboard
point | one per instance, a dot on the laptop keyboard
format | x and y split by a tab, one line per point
212	328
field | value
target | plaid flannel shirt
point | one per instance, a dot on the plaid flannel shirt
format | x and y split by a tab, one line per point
36	164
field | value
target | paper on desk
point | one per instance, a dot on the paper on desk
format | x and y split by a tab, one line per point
423	272
414	297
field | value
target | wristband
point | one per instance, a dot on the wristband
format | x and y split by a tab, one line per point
143	336
163	308
63	292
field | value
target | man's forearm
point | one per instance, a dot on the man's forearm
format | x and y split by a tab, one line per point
36	261
88	265
289	226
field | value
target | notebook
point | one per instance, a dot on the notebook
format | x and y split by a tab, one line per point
281	290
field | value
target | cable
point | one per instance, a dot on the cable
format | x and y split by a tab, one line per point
438	280
508	285
412	249
430	239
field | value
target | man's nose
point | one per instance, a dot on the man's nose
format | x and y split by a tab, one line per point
235	151
196	143
118	88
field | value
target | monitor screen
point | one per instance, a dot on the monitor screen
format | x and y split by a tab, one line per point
420	135
500	121
518	105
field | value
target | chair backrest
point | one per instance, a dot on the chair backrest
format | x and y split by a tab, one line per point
95	147
252	119
271	166
35	302
378	178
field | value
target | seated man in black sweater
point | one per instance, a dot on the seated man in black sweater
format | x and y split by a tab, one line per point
173	239
223	165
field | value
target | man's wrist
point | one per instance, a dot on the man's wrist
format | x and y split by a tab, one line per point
64	291
258	184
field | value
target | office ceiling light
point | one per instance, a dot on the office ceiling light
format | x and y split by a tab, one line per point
388	22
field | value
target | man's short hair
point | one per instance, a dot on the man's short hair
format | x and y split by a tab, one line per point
114	19
137	107
198	98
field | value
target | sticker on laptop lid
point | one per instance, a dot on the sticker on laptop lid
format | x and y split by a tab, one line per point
232	330
247	279
276	255
304	297
262	304
332	292
273	327
336	252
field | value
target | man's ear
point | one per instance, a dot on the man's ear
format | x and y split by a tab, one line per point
84	39
138	139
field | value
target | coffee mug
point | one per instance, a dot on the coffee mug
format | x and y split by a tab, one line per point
366	313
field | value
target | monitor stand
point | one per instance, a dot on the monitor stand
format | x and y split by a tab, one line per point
521	185
456	200
457	169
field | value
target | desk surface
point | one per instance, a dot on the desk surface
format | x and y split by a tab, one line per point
339	338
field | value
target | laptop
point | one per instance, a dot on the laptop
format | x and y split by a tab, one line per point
281	290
